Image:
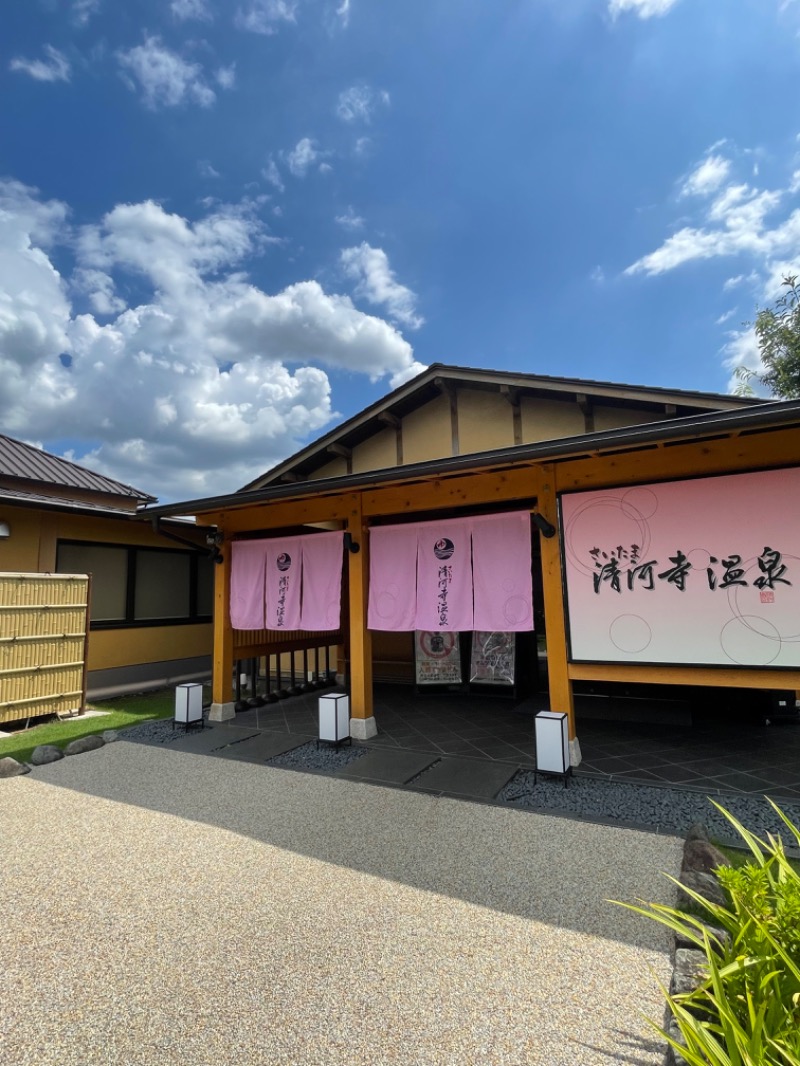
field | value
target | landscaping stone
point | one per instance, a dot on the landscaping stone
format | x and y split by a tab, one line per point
11	768
690	971
110	735
82	744
674	1058
703	884
721	935
702	857
697	831
46	753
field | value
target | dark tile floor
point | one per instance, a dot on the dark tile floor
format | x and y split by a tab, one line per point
708	754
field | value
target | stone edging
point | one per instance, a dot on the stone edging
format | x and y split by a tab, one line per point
700	859
47	753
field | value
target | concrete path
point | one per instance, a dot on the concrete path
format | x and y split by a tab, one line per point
162	907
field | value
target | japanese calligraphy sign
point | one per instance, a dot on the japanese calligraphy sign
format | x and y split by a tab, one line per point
703	571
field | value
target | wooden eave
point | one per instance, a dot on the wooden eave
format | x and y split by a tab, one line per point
439	378
658	436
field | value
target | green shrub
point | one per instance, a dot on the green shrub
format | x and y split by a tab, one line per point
747	1011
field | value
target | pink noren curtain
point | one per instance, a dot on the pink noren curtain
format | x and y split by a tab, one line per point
444	575
322	581
248	562
284	569
501	572
392	578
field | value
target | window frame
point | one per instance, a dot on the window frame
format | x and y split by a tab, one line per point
130	621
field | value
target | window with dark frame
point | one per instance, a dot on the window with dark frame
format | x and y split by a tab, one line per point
137	586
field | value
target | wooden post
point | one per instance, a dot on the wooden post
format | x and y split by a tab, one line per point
362	724
221	694
561	698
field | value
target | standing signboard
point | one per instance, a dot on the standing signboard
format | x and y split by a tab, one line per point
437	657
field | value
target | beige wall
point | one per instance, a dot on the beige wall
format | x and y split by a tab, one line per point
335	468
485	421
550	419
427	432
377	453
612	417
31	548
109	648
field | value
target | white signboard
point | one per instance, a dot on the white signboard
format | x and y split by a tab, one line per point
492	659
438	658
703	571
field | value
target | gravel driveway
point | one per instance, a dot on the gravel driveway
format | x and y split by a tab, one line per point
164	908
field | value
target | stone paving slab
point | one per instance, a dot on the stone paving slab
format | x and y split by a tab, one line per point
474	778
261	747
388	767
204	741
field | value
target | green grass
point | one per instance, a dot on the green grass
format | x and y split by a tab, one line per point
122	711
740	856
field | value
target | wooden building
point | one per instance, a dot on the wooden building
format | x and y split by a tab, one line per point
455	443
152	595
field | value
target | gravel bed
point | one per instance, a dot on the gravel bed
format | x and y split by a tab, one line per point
157	731
670	810
325	758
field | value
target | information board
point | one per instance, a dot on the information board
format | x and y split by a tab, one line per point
437	657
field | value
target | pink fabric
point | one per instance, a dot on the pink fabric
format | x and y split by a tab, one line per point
392	578
248	560
284	568
444	576
322	581
501	573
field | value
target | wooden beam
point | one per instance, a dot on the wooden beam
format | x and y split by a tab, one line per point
587	410
221	691
448	389
282	515
725	455
519	483
361	705
561	697
340	449
721	676
392	420
512	394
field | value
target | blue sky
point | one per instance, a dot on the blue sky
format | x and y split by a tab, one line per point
226	226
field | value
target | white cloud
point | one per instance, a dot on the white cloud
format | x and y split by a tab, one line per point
271	174
302	156
225	77
358	103
166	80
205	169
724	317
202	384
265	16
343	12
82	10
183	10
735	222
707	177
54	68
376	283
645	9
350	220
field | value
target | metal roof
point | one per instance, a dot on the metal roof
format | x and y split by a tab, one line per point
705	426
28	463
422	388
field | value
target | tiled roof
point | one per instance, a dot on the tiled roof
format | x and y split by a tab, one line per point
23	461
37	499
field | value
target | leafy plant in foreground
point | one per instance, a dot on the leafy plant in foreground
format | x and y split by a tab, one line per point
747	1010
